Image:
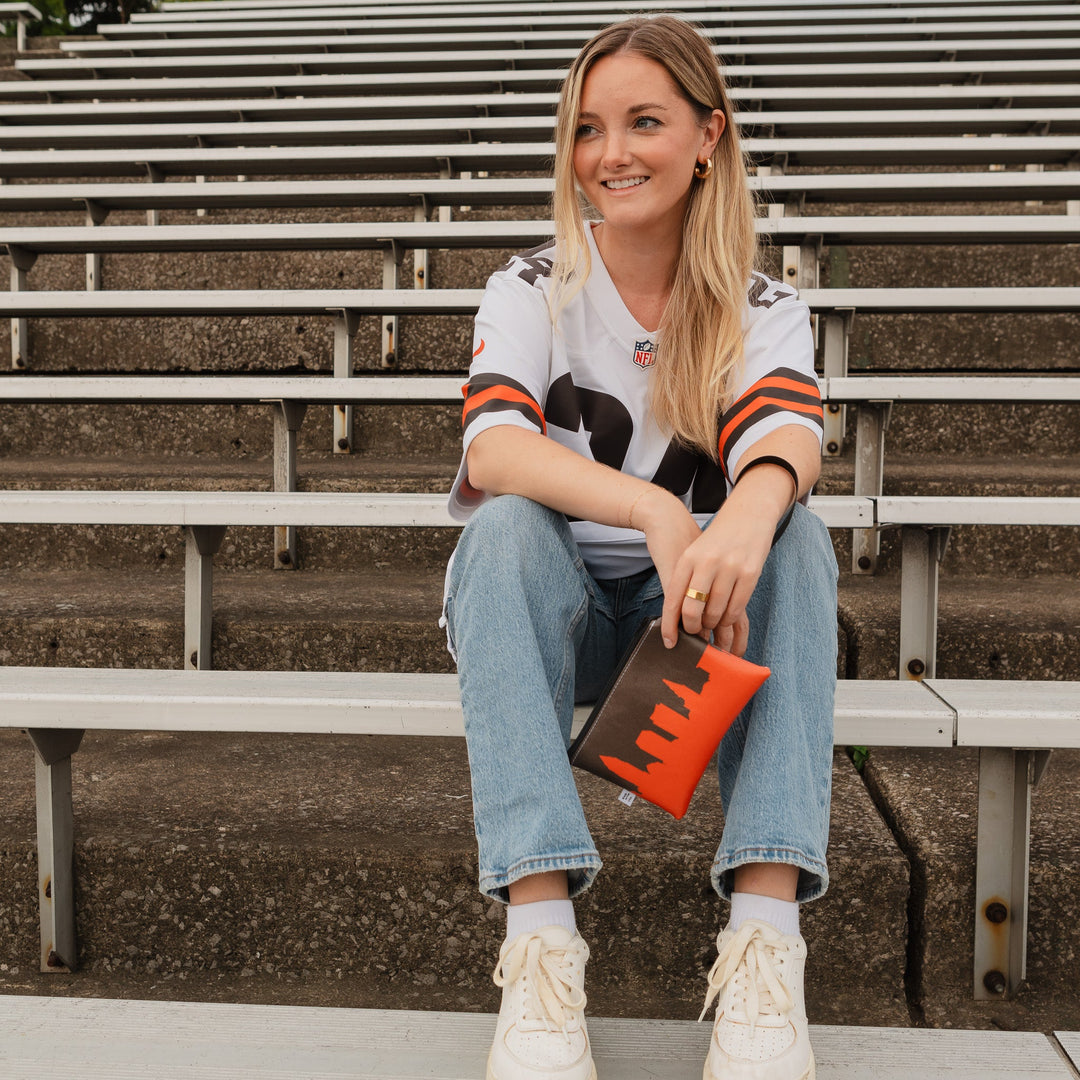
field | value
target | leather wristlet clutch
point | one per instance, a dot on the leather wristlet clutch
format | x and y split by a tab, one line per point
661	718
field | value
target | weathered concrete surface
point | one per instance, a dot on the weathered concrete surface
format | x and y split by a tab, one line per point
930	798
342	871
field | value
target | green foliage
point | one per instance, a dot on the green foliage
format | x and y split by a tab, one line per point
84	15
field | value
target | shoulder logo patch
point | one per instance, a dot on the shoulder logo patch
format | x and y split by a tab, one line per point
644	354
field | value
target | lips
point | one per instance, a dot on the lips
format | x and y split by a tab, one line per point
621	184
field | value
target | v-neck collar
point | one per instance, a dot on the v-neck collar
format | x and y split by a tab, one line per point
606	299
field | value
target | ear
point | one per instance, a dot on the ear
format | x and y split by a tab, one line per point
712	131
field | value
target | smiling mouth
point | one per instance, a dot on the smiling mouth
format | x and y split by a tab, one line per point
618	185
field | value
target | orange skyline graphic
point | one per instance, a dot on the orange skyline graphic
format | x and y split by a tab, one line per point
681	758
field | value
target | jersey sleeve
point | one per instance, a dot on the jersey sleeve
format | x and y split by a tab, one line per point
778	385
509	372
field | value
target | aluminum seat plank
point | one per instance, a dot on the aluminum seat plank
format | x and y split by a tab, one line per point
975	510
982	229
1019	715
239	42
225	389
330	509
150	302
849	187
520	128
199	1041
315	20
1039	48
183	161
1042	70
1027	95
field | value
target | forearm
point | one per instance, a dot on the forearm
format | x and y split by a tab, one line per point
767	491
509	460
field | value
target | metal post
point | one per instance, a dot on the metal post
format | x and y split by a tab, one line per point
288	416
837	332
922	551
21	262
56	847
20	34
391	262
1006	778
203	542
872	421
345	327
93	258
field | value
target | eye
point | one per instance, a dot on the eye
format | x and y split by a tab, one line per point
644	122
584	130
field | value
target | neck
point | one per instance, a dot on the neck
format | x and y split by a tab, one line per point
645	262
641	267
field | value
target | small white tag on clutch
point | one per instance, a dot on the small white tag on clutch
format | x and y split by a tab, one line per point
627	797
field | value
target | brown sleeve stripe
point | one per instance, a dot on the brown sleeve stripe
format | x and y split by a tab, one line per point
782	391
483	396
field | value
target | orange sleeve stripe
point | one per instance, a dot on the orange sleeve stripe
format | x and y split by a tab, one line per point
501	393
778	382
783	403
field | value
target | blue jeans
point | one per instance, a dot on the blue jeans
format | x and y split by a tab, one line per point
534	633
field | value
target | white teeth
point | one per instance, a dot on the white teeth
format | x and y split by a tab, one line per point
631	182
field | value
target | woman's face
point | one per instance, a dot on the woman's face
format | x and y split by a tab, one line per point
636	143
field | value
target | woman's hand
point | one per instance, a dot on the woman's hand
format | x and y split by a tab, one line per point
724	563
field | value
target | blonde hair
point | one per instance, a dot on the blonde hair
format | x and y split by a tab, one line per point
701	339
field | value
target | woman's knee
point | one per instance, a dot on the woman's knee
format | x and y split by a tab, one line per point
512	531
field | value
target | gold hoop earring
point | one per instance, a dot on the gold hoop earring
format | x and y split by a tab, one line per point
703	169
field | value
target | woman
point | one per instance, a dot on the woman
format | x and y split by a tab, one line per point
641	418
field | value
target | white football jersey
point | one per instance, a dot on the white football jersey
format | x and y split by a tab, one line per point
587	385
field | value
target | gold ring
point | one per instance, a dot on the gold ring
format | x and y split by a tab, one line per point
693	594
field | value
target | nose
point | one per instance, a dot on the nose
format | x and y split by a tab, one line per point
616	150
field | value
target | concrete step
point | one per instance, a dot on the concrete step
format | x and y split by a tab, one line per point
236	433
343	872
369	618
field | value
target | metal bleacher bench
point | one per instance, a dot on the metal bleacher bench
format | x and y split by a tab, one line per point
1015	724
509	128
757	78
23	15
324	107
158	162
372	55
203	1041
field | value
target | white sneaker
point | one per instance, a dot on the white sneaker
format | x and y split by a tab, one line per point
760	1031
541	1031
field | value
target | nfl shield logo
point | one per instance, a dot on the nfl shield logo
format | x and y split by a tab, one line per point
644	353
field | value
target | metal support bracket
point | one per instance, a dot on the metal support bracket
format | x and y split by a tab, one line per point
22	261
837	334
288	416
421	276
56	847
345	326
802	263
872	421
1006	779
923	549
392	257
203	543
155	176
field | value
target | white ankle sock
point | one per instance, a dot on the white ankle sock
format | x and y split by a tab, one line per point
781	914
521	918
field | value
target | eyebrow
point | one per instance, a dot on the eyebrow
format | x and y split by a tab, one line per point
645	107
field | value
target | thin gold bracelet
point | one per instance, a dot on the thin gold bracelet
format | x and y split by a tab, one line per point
630	514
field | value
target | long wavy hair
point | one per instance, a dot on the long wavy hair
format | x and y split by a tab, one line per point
701	340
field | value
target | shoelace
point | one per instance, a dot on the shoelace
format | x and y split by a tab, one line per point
551	996
750	950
